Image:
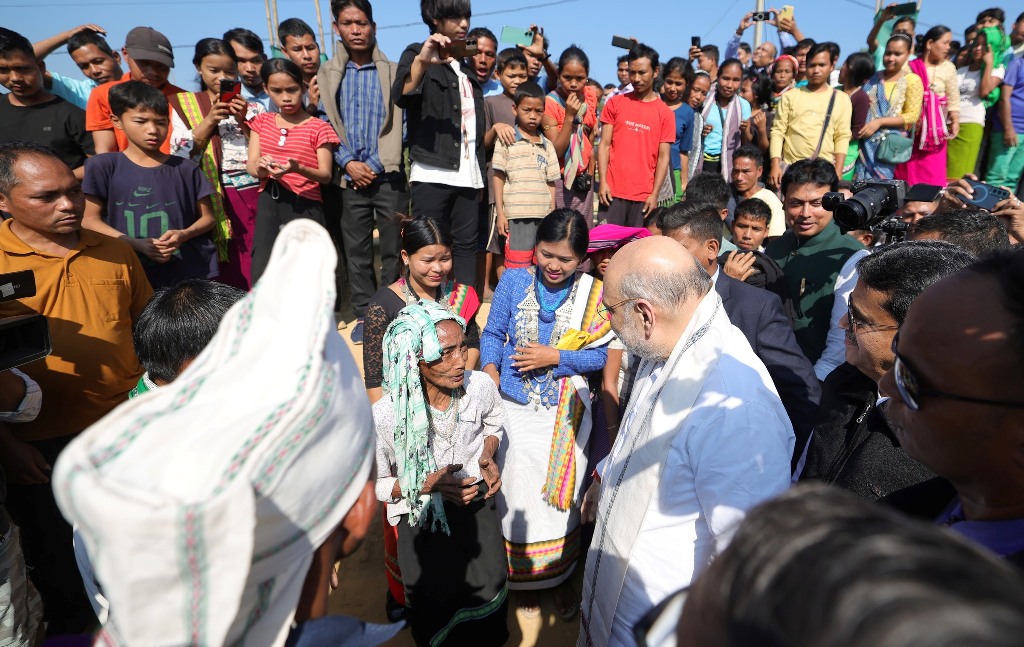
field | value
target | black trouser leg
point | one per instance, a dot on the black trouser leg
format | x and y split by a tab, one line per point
46	539
456	207
365	209
273	214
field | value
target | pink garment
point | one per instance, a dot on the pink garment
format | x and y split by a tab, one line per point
610	236
924	167
241	209
927	163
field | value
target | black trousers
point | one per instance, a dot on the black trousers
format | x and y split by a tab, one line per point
458	208
628	213
331	193
46	539
376	206
276	208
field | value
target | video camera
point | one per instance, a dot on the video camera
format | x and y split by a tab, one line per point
23	338
875	205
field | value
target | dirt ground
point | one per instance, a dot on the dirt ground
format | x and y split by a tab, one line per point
363	584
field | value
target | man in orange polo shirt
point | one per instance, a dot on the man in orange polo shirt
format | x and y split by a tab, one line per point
90	288
150	58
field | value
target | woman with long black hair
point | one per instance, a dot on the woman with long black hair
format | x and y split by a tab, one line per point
214	134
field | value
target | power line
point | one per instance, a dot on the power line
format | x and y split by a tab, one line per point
719	21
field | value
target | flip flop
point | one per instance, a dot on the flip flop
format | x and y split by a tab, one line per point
566	613
528	611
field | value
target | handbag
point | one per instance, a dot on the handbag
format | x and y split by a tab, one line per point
894	147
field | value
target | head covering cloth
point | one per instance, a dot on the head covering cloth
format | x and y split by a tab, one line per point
201	503
614	236
410	339
786	57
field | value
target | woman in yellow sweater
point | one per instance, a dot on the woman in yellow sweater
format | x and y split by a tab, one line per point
812	121
896	95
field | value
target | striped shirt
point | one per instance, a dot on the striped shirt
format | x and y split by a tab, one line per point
300	143
361	104
529	168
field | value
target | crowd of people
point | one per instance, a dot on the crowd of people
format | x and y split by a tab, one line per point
680	336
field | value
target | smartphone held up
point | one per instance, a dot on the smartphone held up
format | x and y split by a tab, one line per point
229	89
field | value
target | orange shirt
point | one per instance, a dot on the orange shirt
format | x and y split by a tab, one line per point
90	298
97	112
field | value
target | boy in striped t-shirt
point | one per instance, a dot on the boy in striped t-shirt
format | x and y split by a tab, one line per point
524	178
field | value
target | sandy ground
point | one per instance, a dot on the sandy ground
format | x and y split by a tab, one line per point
363	584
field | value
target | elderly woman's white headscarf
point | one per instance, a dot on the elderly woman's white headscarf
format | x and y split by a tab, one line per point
201	503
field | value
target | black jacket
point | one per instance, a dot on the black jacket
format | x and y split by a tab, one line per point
759	316
769	276
853	446
434	113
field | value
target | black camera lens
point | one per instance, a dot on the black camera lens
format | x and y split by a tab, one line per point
863	210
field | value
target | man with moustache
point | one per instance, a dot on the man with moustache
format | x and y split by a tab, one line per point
90	288
851	446
704	438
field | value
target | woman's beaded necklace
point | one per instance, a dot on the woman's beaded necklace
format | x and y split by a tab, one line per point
542	387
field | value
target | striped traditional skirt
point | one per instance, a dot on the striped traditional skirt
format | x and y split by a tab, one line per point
455	585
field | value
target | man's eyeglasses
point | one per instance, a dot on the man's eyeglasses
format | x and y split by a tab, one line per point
606	311
856	323
911	391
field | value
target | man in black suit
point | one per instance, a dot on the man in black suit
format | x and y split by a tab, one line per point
757	313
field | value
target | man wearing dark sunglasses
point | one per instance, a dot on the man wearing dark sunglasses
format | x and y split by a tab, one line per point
956	403
852	447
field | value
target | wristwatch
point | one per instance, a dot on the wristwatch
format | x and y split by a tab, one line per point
544	58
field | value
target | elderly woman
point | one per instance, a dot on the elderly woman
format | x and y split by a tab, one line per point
438	428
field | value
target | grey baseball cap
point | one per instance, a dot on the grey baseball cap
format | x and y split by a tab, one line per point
147	44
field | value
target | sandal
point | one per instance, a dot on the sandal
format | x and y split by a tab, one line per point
529	604
564	592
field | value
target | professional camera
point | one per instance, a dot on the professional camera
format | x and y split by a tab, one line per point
873	202
23	338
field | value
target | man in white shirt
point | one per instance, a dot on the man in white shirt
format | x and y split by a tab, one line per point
704	413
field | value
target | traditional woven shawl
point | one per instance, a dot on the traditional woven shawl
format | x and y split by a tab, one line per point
593	331
636	463
410	339
730	128
190	106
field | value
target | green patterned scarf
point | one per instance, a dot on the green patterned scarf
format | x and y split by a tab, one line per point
410	339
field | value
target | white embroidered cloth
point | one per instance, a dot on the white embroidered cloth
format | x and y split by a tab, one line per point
201	503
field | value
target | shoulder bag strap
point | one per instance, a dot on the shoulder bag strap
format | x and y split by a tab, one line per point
824	128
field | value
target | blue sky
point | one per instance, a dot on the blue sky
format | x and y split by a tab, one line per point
667	25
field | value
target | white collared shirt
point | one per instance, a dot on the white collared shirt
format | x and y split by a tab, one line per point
731	453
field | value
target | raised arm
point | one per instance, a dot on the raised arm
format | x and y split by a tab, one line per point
430	54
47	46
872	39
